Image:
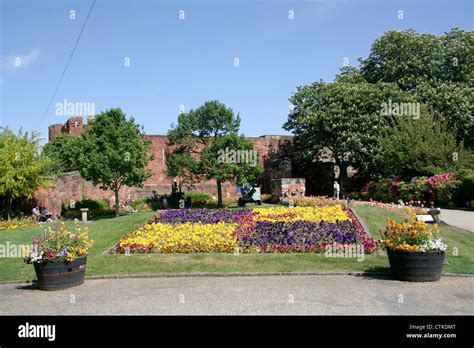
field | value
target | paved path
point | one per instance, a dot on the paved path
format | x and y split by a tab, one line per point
459	218
260	295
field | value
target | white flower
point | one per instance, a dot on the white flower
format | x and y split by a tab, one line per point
434	245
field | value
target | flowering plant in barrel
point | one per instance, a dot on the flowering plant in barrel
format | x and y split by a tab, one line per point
415	252
60	245
59	257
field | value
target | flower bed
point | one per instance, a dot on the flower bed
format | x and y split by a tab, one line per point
16	223
180	238
298	229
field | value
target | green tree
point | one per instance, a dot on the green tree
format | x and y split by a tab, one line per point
420	147
197	143
437	70
343	119
63	152
114	153
403	57
23	168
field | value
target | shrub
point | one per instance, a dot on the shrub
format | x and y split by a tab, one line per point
199	199
466	190
381	191
92	204
447	192
147	203
93	213
415	190
266	198
354	195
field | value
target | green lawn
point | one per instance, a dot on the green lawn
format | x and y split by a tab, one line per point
460	254
106	232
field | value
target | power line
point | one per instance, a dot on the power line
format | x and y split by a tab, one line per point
68	61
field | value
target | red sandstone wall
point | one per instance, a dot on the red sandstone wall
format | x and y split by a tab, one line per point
73	187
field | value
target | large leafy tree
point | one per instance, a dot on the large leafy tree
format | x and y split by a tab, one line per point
197	141
438	70
342	118
403	57
63	152
23	168
420	147
114	153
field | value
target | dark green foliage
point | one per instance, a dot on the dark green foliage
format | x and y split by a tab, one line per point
197	141
92	204
114	153
63	152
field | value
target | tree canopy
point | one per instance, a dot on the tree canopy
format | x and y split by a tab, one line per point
437	70
114	153
24	169
348	117
344	118
198	140
63	152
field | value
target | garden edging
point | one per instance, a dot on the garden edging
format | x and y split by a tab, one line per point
233	274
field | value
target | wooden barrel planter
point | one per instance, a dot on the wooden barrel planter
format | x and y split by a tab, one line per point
60	275
416	266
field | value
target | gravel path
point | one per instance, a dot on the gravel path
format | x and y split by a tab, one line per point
259	295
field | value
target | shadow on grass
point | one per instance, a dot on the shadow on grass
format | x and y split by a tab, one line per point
95	218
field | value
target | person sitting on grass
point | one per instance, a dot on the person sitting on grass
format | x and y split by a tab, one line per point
35	214
45	215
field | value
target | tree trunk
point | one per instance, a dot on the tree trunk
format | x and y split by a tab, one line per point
9	206
117	206
219	194
343	178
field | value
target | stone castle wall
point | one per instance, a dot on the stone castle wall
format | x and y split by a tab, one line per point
71	187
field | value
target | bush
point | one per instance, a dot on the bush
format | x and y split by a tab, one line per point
415	190
200	199
447	192
266	198
147	203
354	195
466	190
92	204
91	214
381	191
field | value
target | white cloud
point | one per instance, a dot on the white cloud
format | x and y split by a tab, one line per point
19	61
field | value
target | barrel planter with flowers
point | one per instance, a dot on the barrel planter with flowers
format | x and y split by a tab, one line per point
415	253
60	257
416	266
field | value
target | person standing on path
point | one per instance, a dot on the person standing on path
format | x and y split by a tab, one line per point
337	189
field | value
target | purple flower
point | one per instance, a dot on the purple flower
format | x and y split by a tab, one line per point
207	216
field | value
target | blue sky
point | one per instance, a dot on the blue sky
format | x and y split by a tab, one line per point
177	62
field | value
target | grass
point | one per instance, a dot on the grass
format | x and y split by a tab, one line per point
459	255
106	232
